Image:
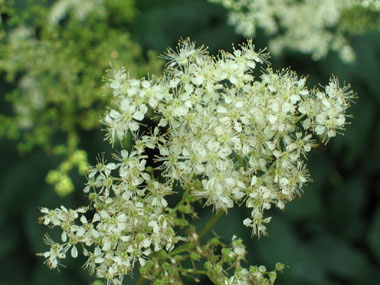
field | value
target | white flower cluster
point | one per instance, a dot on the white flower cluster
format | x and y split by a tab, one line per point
306	26
243	138
227	137
131	220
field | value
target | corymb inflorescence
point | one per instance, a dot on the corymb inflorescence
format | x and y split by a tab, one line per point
213	129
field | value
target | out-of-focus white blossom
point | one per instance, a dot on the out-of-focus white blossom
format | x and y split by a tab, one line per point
306	26
79	9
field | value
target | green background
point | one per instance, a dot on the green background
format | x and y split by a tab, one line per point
331	235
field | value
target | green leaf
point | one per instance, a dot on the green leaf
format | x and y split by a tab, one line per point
339	258
373	236
283	246
346	203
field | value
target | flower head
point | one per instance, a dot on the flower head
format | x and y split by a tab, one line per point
226	137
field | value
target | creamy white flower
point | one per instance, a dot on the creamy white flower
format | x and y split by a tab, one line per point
241	143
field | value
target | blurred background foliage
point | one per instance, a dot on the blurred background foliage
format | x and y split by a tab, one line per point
51	69
55	55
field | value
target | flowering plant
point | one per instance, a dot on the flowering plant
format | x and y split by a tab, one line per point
211	132
312	27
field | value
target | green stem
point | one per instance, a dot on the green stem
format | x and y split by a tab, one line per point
192	271
204	272
210	223
205	229
300	118
180	249
140	281
184	197
240	161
